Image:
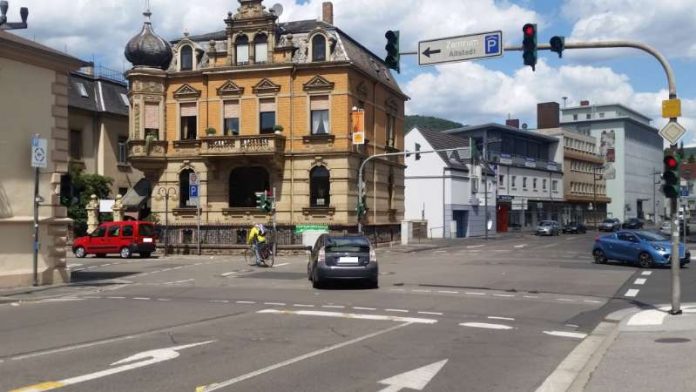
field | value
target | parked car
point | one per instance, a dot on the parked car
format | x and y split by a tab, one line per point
123	238
342	257
643	248
610	224
575	227
633	224
666	228
548	227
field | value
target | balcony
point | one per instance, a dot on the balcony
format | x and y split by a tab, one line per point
142	150
189	148
218	146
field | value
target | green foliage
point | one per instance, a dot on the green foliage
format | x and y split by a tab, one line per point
692	158
211	131
83	186
428	122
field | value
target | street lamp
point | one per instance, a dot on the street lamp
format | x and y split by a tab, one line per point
5	25
595	176
166	193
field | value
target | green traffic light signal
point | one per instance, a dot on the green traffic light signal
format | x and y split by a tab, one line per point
671	179
529	45
392	47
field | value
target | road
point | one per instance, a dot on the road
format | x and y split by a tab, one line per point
496	315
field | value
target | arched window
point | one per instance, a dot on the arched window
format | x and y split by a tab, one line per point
319	187
318	48
260	48
184	195
186	58
244	183
242	49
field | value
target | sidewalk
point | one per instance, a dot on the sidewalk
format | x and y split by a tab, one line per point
632	350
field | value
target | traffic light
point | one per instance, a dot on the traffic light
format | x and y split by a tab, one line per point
671	183
529	45
260	200
418	155
360	209
393	57
557	44
268	204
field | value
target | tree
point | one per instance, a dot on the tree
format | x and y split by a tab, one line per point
428	122
76	196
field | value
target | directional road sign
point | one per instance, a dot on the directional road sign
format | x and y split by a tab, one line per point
39	152
672	132
460	48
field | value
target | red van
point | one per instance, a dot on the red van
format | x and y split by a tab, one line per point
124	238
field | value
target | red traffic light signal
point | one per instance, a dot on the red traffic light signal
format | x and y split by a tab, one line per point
529	30
671	162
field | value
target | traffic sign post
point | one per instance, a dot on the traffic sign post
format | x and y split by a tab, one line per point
460	48
672	132
39	160
194	195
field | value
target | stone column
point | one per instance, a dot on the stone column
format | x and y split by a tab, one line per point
92	214
118	209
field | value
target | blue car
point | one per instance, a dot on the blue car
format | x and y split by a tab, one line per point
643	248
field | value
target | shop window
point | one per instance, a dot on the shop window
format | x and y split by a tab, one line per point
319	184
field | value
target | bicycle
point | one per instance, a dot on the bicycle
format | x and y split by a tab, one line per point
266	252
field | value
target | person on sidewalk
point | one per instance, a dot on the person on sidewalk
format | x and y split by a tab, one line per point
257	239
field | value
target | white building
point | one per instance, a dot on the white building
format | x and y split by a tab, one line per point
632	152
444	188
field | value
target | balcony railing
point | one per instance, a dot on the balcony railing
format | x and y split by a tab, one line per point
138	149
242	145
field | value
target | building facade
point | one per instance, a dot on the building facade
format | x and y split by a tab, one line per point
529	181
632	153
34	100
264	106
444	188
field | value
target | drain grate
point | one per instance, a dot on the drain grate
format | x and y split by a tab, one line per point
672	340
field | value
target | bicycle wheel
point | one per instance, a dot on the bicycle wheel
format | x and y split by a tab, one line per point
271	257
249	257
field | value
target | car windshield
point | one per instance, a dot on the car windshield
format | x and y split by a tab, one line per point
347	244
650	236
608	221
147	230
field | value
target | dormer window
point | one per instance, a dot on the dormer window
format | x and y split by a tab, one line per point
261	49
186	58
242	50
318	48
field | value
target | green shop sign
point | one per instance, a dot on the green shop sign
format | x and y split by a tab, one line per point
302	228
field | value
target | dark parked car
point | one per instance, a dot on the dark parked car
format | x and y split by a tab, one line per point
548	227
344	257
643	248
633	224
610	224
575	227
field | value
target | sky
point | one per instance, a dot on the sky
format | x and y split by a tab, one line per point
471	92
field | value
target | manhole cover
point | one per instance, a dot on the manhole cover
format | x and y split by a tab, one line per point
672	340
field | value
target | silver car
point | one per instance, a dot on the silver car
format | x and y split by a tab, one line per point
548	227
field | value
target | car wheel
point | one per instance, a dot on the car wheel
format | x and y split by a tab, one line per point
644	260
125	252
316	283
145	255
600	257
80	252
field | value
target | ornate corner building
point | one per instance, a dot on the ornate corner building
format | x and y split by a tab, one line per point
263	105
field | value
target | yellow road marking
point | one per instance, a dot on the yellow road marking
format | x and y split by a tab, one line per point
44	386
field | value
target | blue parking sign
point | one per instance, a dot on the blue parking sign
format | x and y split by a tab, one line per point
193	191
492	43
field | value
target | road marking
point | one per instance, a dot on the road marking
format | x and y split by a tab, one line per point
473	293
397	310
303	306
378	317
448	292
219	301
422	291
281	264
116	297
520	246
71	348
485	325
333	306
141	298
138	360
226	274
501	318
530	296
274	303
224	384
474	246
565	300
363	308
503	295
91	297
62	300
591	301
631	293
431	313
565	334
415	379
163	299
647	317
440	251
245	302
646	273
640	281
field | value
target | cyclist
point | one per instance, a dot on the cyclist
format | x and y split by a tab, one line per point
257	240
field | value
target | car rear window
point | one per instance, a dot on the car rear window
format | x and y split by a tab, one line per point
147	230
347	244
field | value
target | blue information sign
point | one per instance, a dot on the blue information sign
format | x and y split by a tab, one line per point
193	191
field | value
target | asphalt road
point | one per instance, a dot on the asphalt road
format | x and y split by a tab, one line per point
496	315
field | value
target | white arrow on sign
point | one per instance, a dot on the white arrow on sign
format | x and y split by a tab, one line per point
138	360
415	379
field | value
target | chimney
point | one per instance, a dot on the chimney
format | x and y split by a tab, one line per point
584	103
513	122
327	12
548	115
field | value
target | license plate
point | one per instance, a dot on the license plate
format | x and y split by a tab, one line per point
348	260
147	239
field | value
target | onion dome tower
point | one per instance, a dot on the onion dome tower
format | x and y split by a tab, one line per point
147	49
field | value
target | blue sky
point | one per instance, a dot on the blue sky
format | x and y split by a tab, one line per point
468	92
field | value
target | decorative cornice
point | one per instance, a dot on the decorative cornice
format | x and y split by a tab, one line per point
318	83
186	91
229	88
265	86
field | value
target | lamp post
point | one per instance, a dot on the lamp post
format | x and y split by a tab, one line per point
595	177
166	193
5	25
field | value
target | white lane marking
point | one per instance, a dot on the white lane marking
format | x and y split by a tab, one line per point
274	303
61	300
138	360
76	265
219	301
163	299
225	274
226	383
360	316
363	308
565	300
501	318
640	281
106	265
397	310
440	251
431	313
646	273
647	317
281	264
180	267
422	291
141	298
415	379
448	292
91	297
303	306
245	302
116	297
398	289
530	296
591	301
473	293
71	348
474	246
333	306
565	334
486	325
631	293
520	246
503	295
572	325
